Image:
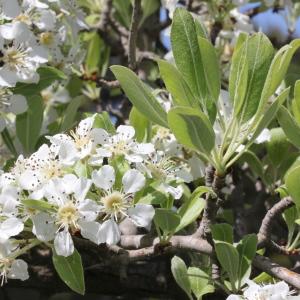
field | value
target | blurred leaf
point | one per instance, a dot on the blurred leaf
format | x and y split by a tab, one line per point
141	125
48	75
28	124
70	113
289	126
278	146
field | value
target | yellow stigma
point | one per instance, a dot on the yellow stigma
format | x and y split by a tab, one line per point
80	141
120	148
47	38
14	58
23	18
113	202
68	215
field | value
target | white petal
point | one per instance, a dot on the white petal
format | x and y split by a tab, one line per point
63	244
10	8
81	187
11	227
18	104
109	233
144	148
125	132
133	181
85	126
234	297
18	270
100	136
141	214
88	209
176	192
104	178
90	231
29	180
43	227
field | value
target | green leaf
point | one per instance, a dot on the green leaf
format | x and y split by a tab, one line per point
229	259
140	95
247	249
166	219
238	79
47	76
93	53
211	68
141	125
292	184
199	282
222	232
296	102
40	205
254	162
103	121
186	52
289	126
9	142
277	71
180	275
259	52
192	128
149	7
70	113
278	146
176	85
263	120
290	215
70	271
190	211
29	123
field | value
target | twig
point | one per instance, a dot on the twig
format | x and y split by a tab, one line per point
273	269
136	16
264	234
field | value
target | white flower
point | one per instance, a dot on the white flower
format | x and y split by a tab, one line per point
79	144
122	143
9	266
162	168
118	204
277	291
20	57
10	227
71	212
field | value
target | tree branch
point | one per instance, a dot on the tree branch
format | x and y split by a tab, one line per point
264	234
135	20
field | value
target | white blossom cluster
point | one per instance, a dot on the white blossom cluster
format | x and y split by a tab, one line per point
33	33
74	186
277	291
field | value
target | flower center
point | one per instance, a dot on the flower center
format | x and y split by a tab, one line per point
119	148
81	141
52	170
68	215
115	204
14	58
23	18
47	38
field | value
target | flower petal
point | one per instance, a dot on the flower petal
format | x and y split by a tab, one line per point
133	181
141	214
63	243
104	178
109	233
